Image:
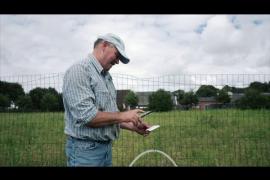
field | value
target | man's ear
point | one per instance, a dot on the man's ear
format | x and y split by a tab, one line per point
106	44
102	46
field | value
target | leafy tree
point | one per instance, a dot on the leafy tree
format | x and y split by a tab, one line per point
253	99
207	91
49	102
268	87
223	97
36	96
131	99
189	99
25	103
52	91
238	90
60	102
4	102
160	101
179	94
59	96
11	90
261	87
227	88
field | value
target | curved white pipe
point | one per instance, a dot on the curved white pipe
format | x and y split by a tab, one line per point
153	150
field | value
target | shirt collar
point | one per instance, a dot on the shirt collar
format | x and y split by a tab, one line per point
96	63
98	66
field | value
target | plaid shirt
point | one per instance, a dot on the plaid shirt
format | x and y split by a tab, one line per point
88	89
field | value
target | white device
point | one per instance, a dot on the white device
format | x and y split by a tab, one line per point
152	128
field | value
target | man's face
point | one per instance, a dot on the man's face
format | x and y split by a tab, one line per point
110	56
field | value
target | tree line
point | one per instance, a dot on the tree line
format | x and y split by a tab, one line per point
255	96
13	97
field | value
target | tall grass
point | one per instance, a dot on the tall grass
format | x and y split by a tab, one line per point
31	139
201	138
190	138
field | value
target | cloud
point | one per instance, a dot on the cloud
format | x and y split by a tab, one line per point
156	44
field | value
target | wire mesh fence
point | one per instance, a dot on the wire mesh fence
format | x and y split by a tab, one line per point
201	126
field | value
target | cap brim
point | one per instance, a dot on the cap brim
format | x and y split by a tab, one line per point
124	60
123	57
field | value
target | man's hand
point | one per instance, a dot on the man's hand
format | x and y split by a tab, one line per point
131	116
140	129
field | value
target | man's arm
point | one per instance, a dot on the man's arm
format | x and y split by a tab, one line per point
106	118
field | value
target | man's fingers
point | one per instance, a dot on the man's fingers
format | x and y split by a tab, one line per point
136	123
139	111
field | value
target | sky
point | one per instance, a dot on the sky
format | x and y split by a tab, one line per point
156	44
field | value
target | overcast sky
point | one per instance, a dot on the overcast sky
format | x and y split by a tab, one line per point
156	44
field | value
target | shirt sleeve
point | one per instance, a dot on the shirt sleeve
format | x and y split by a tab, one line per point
78	95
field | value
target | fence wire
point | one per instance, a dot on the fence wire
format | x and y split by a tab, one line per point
206	133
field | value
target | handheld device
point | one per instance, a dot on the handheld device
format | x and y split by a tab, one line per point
145	114
152	128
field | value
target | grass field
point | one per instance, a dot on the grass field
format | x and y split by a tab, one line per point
190	138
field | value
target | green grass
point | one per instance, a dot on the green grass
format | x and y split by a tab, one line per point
31	139
190	138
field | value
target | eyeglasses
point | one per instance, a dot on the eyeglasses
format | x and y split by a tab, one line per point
117	54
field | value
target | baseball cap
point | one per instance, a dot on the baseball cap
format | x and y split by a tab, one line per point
118	43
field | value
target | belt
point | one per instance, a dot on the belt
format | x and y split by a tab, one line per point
103	142
98	141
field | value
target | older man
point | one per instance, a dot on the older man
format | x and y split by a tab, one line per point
92	119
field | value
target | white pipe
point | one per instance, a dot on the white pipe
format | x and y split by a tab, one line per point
153	150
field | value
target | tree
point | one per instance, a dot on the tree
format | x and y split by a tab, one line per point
268	87
11	90
223	97
207	91
60	102
261	87
36	96
160	101
253	99
4	102
25	103
131	99
52	91
238	90
227	88
49	102
189	99
179	94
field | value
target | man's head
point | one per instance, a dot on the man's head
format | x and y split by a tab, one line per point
109	49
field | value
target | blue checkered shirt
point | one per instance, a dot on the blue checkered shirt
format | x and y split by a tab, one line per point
88	89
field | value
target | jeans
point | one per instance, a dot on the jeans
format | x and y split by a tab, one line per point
81	152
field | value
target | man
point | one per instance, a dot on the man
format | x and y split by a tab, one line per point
92	119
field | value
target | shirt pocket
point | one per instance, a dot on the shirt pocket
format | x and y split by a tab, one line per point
103	100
